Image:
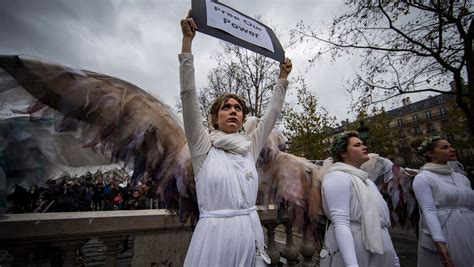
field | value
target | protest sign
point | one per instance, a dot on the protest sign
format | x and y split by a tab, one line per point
223	22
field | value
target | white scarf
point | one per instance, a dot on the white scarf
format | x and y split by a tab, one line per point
443	169
370	214
235	143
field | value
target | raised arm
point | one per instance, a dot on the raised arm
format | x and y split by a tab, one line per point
268	120
196	134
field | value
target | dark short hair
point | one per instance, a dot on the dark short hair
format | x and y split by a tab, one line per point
339	144
217	104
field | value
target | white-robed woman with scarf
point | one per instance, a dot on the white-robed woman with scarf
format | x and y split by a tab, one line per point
358	233
446	200
229	231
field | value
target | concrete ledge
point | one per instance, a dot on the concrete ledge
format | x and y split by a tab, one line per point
65	225
53	226
159	236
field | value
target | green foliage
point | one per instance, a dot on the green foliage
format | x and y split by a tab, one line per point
307	125
457	132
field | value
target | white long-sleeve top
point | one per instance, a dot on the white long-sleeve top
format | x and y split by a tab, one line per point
197	135
342	210
437	195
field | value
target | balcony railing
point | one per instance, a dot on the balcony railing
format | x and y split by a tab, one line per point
126	238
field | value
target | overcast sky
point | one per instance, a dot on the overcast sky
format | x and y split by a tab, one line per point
138	40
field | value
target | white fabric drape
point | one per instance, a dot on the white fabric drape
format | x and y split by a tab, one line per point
370	220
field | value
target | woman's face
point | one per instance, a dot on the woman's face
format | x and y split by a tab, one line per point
356	152
442	152
230	116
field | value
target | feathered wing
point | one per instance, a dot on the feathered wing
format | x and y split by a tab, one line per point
115	119
289	180
394	183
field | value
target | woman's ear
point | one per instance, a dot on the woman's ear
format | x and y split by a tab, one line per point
343	155
430	154
214	122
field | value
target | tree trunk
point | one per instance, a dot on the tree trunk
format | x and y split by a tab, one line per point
469	56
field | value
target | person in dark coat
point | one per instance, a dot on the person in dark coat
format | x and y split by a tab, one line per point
137	202
98	195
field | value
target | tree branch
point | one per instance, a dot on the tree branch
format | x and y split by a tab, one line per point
411	40
418	53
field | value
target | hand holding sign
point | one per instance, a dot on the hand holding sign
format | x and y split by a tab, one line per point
188	27
285	68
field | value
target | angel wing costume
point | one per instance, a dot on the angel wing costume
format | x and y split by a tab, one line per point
81	118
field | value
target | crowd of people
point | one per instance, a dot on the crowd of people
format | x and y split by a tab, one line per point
88	192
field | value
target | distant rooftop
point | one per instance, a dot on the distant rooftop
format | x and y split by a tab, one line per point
407	108
428	103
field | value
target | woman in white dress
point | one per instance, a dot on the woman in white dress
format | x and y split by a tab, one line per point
447	205
358	233
228	232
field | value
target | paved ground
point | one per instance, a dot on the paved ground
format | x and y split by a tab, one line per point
405	244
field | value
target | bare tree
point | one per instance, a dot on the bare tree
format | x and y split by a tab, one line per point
406	47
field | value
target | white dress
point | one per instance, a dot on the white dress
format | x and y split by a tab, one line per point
229	228
447	204
344	236
226	182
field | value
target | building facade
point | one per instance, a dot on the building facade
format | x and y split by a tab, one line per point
432	116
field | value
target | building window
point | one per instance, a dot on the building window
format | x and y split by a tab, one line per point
449	137
430	127
428	115
413	107
402	133
441	99
400	122
442	111
399	111
402	145
417	130
415	118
